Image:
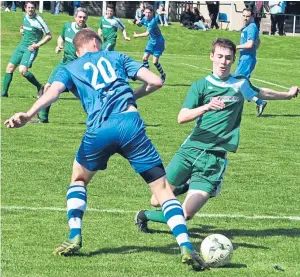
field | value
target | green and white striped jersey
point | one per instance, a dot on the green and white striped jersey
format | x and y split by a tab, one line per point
218	130
68	32
34	29
109	27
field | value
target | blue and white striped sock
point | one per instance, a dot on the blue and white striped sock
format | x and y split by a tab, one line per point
146	63
173	213
76	205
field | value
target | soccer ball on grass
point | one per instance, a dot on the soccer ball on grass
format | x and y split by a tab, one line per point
216	250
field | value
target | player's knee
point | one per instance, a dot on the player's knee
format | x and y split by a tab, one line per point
46	87
10	68
23	70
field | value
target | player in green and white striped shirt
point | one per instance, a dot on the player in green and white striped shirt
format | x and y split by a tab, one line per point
33	29
65	42
216	103
108	27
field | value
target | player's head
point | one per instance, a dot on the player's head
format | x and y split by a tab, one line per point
86	40
109	11
223	56
247	16
142	6
30	8
81	17
161	7
148	12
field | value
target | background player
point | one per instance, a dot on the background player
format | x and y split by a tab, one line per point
156	42
249	43
24	55
65	42
108	28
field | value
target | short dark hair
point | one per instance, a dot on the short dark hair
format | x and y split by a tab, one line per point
84	36
110	6
224	43
248	10
148	7
30	2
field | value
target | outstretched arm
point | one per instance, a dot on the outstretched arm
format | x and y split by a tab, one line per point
151	83
269	94
187	115
125	35
51	95
135	35
43	41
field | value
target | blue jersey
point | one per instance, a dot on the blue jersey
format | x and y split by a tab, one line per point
100	80
153	30
249	32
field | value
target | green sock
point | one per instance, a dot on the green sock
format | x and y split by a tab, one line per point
157	216
30	77
44	113
6	82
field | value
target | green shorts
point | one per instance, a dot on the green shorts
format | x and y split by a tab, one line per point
204	168
22	56
54	71
109	45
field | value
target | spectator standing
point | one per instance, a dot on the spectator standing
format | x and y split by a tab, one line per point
277	9
213	10
187	17
162	15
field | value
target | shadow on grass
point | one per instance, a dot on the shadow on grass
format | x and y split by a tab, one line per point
171	249
280	115
176	85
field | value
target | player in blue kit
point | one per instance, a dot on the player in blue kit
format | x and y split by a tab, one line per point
249	43
156	42
99	79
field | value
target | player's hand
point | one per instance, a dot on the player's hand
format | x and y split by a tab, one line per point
138	21
33	47
135	35
58	49
293	92
17	120
216	104
127	38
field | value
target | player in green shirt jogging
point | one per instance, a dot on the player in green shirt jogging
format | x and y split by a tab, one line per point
65	41
108	28
32	30
216	102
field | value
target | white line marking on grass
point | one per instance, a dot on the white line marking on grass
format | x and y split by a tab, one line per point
55	209
259	80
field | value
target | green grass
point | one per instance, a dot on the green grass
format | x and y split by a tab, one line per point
262	178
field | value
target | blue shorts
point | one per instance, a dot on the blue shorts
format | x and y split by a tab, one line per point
124	134
246	65
156	49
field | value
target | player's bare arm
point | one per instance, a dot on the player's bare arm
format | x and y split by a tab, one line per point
187	115
60	45
151	83
248	45
141	35
125	35
43	41
269	94
51	95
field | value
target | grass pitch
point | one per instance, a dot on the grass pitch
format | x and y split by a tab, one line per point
258	208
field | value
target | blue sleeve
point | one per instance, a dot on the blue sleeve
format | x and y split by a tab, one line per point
252	33
63	76
131	66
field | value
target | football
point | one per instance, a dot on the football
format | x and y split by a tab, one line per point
216	250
